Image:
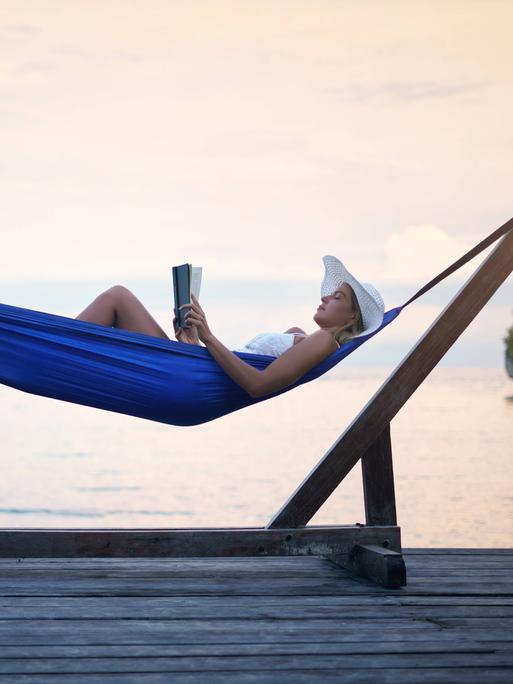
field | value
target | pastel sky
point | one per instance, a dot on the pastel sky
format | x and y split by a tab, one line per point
251	138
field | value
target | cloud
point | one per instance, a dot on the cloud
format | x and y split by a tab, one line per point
28	29
66	50
99	57
34	67
403	91
420	252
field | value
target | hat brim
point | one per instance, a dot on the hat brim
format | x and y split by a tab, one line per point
370	301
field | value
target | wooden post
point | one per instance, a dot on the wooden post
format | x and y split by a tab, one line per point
378	481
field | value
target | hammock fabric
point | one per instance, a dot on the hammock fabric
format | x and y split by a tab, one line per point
149	377
127	372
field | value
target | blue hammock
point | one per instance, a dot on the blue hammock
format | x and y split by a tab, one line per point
144	376
128	372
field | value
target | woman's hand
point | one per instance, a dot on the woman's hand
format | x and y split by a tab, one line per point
185	335
195	317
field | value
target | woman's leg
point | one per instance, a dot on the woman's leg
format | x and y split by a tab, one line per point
120	308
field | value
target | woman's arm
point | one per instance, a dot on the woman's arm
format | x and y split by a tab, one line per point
282	372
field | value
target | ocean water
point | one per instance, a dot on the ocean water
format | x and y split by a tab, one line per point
72	466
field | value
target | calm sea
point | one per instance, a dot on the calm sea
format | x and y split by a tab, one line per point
71	466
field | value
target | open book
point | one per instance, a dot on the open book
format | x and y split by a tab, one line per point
186	279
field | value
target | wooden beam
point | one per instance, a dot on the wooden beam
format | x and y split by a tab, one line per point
304	503
186	543
375	563
378	481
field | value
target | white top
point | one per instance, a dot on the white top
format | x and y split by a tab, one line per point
273	344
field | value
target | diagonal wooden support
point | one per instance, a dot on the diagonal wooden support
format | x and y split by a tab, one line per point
397	389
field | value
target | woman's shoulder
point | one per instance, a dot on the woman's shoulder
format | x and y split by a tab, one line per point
323	337
321	340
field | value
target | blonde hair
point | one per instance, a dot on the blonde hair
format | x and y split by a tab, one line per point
354	328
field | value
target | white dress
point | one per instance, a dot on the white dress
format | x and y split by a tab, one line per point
272	344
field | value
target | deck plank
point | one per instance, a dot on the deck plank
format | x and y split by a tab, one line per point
227	648
241	607
465	675
251	663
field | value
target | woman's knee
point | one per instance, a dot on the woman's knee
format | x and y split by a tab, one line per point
118	291
118	288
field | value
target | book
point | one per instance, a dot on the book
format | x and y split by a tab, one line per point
186	279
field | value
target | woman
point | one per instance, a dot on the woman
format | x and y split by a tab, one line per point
348	309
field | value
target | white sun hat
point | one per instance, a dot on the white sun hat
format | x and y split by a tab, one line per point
370	301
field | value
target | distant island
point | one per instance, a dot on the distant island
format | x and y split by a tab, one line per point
509	351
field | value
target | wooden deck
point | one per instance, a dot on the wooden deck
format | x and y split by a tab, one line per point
256	620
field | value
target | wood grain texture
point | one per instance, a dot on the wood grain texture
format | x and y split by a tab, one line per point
268	620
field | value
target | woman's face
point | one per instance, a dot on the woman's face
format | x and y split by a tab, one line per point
336	310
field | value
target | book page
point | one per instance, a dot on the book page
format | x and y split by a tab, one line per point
196	272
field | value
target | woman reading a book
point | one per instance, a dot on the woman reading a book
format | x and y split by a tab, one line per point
348	309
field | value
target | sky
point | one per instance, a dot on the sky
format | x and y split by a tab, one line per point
252	138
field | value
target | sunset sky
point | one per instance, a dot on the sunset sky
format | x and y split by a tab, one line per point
251	138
